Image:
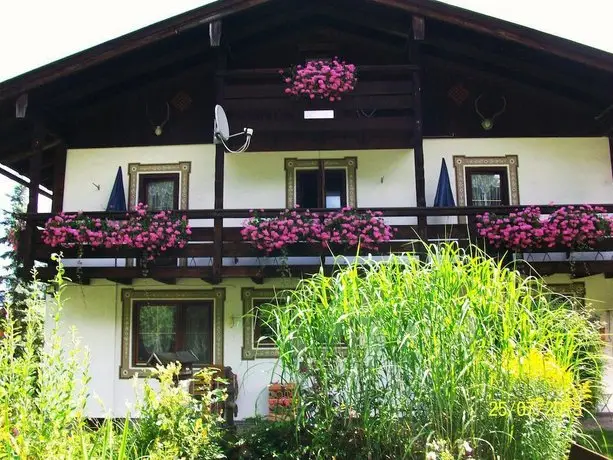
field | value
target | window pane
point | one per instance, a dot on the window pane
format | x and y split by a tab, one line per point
160	194
199	332
156	330
307	188
335	188
486	189
262	332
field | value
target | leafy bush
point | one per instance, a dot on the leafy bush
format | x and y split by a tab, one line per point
43	394
456	355
173	424
264	439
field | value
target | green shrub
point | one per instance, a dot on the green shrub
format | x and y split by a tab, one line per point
456	352
43	394
42	391
173	424
263	439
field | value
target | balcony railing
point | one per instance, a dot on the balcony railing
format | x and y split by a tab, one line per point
216	249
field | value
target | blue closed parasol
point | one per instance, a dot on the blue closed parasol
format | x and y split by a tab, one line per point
117	200
444	195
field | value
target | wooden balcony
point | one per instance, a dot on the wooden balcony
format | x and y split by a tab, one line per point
217	251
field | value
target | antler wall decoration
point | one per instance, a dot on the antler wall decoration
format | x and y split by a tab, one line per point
158	128
488	123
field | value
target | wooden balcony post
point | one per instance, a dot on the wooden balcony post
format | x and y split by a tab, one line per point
418	28
59	173
35	166
220	152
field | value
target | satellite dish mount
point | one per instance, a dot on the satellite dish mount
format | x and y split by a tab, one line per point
222	134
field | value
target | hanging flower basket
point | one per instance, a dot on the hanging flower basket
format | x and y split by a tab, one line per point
327	80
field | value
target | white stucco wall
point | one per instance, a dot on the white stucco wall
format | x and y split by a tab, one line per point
550	170
96	312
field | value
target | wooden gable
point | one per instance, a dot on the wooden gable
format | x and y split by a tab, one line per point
115	94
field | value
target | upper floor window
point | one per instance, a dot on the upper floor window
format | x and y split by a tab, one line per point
159	191
487	187
486	181
160	186
321	183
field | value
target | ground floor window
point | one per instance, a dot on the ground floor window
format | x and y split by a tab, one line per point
173	326
257	333
167	321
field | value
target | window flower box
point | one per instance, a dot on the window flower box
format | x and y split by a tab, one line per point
569	228
342	229
153	233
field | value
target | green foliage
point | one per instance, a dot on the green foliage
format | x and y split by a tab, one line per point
458	351
43	392
11	271
11	227
173	424
267	440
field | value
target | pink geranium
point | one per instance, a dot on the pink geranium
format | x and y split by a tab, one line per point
154	233
321	79
346	227
574	227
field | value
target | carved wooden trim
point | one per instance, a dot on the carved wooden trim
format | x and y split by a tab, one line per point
128	296
350	164
511	162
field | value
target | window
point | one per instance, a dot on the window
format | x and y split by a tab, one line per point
159	191
321	188
321	183
171	321
487	186
172	326
257	341
162	186
486	181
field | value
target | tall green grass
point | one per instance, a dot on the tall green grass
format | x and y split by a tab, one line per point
394	359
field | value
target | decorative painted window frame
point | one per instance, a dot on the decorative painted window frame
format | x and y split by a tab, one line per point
350	164
511	162
250	351
184	169
128	296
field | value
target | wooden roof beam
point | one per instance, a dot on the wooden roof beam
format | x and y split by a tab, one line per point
13	158
24	182
506	31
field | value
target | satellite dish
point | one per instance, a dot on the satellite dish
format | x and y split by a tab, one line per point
222	131
222	127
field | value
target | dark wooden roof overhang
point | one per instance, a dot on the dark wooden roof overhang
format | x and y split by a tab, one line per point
66	89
